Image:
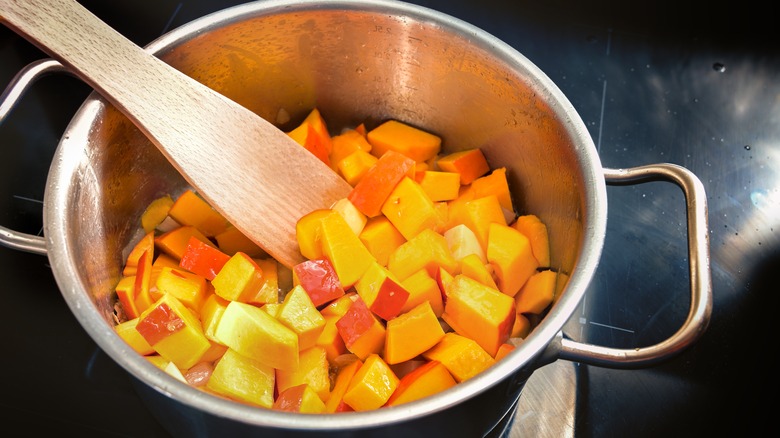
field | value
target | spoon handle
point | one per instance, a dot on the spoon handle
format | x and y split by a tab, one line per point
260	179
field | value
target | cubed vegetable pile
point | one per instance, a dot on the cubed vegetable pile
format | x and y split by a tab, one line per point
423	277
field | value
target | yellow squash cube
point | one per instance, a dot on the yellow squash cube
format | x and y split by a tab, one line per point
254	333
240	279
510	254
381	238
410	209
463	357
537	293
299	314
423	288
427	250
126	330
189	288
411	334
372	385
238	377
406	139
312	370
440	186
343	248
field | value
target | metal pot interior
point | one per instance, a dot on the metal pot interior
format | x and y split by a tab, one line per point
357	62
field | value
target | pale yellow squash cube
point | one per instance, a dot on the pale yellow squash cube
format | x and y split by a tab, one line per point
241	378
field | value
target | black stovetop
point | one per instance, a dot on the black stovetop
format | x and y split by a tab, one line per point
680	82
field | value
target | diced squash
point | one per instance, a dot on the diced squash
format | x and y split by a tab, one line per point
379	181
125	292
522	326
203	259
354	166
254	333
346	143
239	279
537	293
479	312
318	278
410	210
382	292
313	135
496	184
354	218
145	244
510	254
191	209
241	378
300	315
173	331
155	213
427	250
232	240
269	291
330	340
381	238
462	357
428	379
308	232
312	370
362	332
189	288
174	242
340	306
343	248
126	330
372	385
423	288
344	376
463	242
469	164
503	350
143	282
210	313
397	136
440	186
411	334
471	266
478	214
536	231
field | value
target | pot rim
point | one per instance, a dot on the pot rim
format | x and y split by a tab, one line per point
526	356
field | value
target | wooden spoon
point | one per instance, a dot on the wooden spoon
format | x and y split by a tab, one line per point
260	179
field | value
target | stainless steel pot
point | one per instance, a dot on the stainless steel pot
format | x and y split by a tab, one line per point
355	61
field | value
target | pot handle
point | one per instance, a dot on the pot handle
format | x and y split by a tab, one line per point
700	276
11	95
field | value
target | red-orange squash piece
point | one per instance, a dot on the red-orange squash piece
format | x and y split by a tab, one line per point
428	379
362	332
379	181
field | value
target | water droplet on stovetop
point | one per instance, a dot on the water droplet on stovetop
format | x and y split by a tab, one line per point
719	67
747	147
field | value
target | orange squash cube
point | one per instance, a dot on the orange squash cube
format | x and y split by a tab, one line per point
125	292
301	399
244	379
536	231
189	288
427	250
478	214
340	306
423	288
428	379
299	314
232	240
190	209
203	258
522	326
344	376
381	238
254	333
312	370
469	164
143	282
494	184
239	279
308	232
355	166
503	350
510	254
397	136
343	248
537	293
410	209
479	312
126	330
174	242
440	186
382	292
462	357
313	135
173	331
471	266
411	334
346	143
362	332
372	385
370	193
